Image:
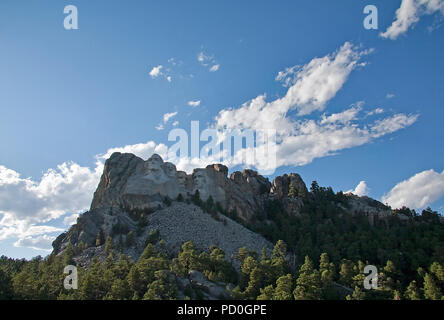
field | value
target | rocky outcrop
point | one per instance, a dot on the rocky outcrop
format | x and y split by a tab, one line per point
137	196
281	186
175	224
129	181
367	206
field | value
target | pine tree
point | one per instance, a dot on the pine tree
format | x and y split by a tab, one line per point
149	251
266	293
438	271
279	263
308	284
122	267
255	284
135	283
326	270
162	288
120	290
108	245
346	273
357	294
412	292
314	187
188	257
279	250
283	288
396	295
100	239
68	255
6	291
431	289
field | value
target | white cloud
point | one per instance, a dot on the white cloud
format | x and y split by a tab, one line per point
215	68
287	76
168	116
299	140
390	95
409	14
159	127
343	117
375	111
142	150
156	71
418	191
27	206
208	61
175	123
194	103
60	190
314	84
42	243
71	219
360	190
392	124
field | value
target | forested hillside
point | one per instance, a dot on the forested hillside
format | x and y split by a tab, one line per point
319	253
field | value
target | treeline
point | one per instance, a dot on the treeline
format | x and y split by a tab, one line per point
411	244
262	277
322	255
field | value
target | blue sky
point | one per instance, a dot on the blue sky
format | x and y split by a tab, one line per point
67	96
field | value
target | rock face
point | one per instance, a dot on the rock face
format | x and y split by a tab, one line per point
371	208
137	196
128	180
130	184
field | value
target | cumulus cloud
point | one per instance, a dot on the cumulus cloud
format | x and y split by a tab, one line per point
286	77
142	150
360	190
194	103
42	243
409	13
28	206
314	84
60	190
311	87
418	191
71	219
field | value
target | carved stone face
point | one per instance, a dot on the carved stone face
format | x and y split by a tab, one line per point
200	178
152	169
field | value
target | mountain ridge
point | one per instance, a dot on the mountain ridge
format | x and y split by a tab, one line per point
131	190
